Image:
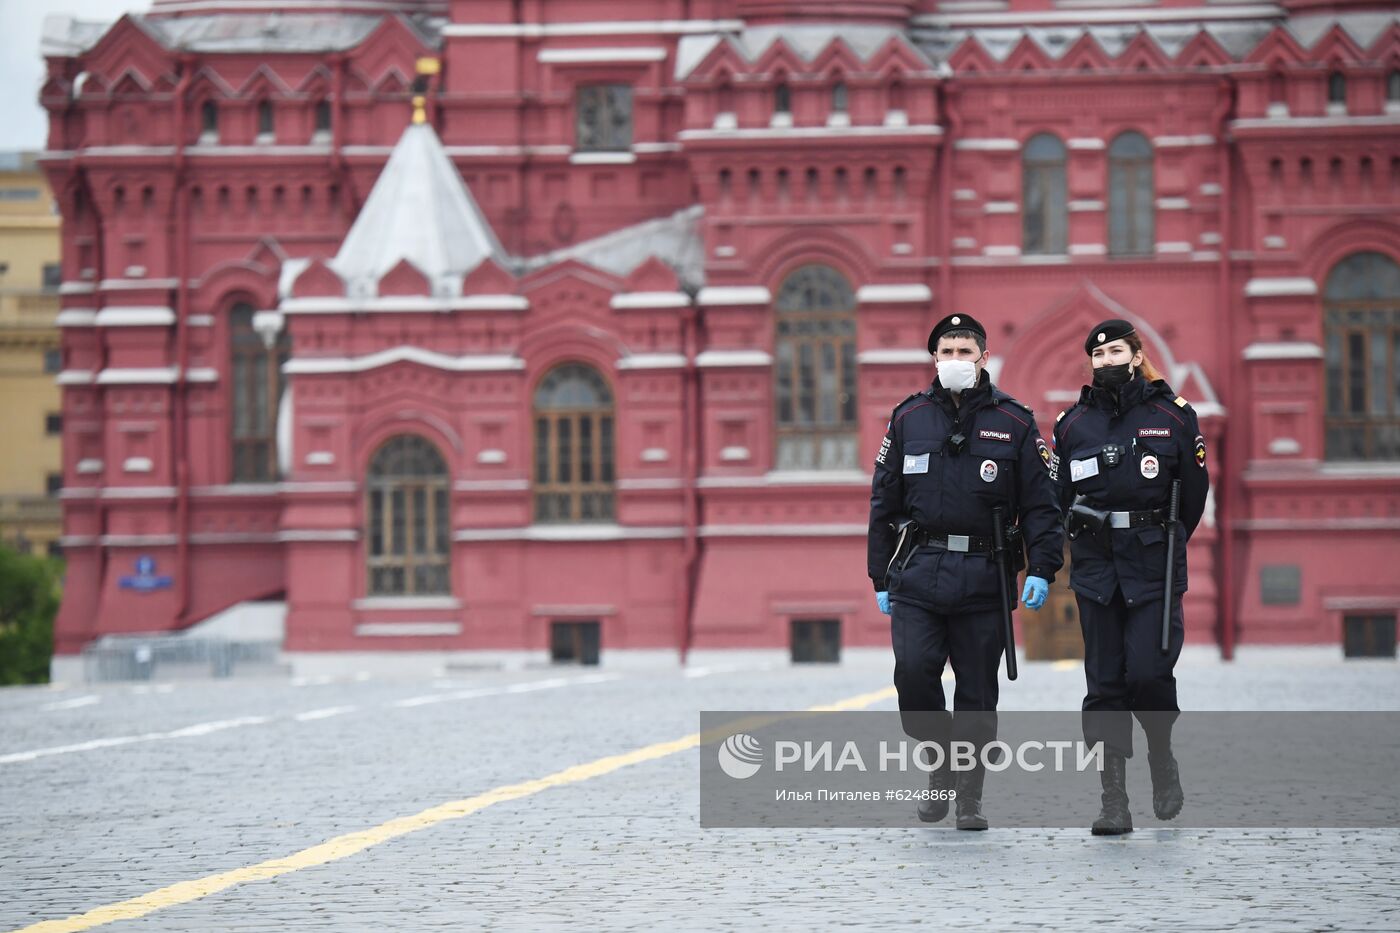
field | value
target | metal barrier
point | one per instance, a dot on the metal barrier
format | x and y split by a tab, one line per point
156	656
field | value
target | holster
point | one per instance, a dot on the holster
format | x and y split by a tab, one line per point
1084	517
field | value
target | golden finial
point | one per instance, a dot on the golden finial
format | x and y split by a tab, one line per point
425	68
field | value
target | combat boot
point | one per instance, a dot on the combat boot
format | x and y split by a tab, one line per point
1167	797
969	789
1114	818
940	782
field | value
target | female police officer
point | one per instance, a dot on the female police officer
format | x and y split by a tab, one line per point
1118	452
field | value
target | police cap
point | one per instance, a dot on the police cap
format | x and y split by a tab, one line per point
1107	332
951	323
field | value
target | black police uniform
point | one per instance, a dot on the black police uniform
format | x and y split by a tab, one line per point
946	602
1120	449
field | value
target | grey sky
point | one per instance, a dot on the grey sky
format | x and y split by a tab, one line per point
23	123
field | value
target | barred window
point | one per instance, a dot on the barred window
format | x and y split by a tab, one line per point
604	113
815	371
574	478
407	514
1131	215
1043	221
1362	320
257	385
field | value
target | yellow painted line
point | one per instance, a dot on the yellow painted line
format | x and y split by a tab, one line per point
342	847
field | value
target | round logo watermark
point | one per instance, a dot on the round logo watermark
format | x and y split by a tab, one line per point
740	756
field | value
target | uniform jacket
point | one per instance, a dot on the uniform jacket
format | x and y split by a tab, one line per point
918	476
1160	440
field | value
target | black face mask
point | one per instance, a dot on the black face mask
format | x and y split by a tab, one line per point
1112	377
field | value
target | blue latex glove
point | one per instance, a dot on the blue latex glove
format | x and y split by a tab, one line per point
882	599
1035	592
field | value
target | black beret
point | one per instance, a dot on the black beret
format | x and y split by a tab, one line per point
1106	332
950	323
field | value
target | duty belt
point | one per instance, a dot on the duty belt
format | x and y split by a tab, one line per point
969	544
1135	519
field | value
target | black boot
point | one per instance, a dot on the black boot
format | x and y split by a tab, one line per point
970	798
1167	797
1114	818
935	807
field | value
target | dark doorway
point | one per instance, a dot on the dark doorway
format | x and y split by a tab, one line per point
1368	636
816	641
574	642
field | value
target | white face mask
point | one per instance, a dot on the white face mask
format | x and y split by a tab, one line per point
957	375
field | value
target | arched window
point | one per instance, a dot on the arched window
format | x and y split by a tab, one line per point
573	446
257	384
1043	224
408	527
267	130
815	371
209	122
1130	194
840	97
782	99
323	119
1362	321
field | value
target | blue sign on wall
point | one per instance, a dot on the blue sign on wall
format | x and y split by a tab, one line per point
145	579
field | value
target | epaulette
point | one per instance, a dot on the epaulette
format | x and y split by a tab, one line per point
1061	416
1180	401
910	398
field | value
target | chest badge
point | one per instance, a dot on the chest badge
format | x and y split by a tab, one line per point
915	463
989	471
1149	467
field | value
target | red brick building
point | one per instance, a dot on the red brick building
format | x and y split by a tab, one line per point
600	352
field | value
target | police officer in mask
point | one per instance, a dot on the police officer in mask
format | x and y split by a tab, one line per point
951	454
1117	453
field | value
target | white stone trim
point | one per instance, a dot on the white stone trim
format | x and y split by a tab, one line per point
1001	252
1210	188
1176	142
1210	238
1173	246
592	56
135	317
406	602
476	362
1173	204
162	375
337	304
1280	287
320	458
734	295
89	465
200	320
135	282
787	478
634	300
778	132
1285	446
893	293
610	532
1275	242
1328	122
318	535
964	194
202	374
76	317
1074	17
649	455
408	629
784	531
602	158
669	27
1000	207
491	485
1088	249
1084	205
987	144
716	358
138	540
1292	350
652	361
76	288
75	377
964	242
137	465
893	357
734	454
1085	143
492	457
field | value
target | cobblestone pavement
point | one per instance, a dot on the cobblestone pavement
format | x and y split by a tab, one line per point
109	792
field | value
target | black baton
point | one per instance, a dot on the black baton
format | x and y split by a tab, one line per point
1173	511
999	552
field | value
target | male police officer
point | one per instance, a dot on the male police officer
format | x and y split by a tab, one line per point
952	454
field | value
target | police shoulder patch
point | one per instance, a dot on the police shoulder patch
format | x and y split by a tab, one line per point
1180	401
